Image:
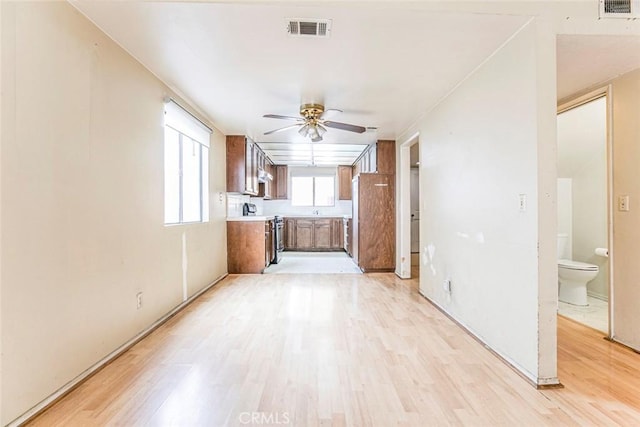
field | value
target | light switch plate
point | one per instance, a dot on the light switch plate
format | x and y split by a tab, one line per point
522	202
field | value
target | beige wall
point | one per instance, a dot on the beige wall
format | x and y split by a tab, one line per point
82	203
480	148
626	242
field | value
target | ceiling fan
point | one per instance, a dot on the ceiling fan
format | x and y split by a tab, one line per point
313	122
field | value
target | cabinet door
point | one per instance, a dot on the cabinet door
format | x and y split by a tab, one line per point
344	182
349	238
337	240
375	222
281	177
304	234
249	171
255	160
268	242
289	233
322	234
386	157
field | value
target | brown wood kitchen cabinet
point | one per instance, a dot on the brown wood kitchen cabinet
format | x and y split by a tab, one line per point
344	182
304	234
280	177
249	246
242	167
313	234
373	230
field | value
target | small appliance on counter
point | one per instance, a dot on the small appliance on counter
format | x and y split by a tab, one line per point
249	209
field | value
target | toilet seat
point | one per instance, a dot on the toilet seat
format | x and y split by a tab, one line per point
576	265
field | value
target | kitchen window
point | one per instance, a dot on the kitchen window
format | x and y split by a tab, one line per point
313	190
186	167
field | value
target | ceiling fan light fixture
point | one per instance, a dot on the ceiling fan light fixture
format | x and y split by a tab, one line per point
304	130
316	138
321	129
313	132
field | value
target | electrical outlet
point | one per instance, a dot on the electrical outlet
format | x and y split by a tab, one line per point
623	203
139	300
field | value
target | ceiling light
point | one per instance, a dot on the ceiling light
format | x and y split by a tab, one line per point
304	130
313	133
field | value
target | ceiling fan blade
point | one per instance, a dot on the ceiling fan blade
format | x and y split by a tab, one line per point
329	113
281	129
278	116
344	126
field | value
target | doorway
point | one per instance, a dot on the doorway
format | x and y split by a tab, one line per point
408	242
584	211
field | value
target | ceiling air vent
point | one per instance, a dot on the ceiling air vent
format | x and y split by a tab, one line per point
629	9
305	27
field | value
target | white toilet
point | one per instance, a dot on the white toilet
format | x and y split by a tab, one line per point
573	276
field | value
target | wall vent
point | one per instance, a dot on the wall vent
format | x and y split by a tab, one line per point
306	27
629	9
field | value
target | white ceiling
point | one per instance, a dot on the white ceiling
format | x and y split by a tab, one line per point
384	64
585	61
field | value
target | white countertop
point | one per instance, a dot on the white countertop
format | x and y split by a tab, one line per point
250	218
316	216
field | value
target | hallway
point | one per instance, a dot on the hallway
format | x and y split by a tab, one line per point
336	350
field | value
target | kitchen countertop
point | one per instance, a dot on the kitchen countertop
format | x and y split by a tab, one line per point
250	218
316	216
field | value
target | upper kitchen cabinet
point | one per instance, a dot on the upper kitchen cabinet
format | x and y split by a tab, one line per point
280	185
379	157
242	167
248	168
344	182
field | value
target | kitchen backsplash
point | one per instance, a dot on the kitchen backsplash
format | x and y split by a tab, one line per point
235	202
284	208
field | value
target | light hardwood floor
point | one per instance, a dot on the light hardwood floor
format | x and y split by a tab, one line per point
337	350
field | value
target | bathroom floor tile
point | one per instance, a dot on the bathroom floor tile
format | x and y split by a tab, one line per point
595	315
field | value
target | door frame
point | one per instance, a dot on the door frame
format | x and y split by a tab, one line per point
403	239
604	91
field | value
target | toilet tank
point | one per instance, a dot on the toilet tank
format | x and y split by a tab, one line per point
563	239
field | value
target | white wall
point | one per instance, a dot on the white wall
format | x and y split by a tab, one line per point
582	157
489	141
82	203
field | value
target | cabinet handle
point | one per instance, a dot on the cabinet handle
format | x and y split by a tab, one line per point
381	185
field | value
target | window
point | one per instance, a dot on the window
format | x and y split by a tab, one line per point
186	167
313	190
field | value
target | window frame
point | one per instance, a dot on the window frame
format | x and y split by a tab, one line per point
313	190
183	124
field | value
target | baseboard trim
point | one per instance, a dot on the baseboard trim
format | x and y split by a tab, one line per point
598	296
615	341
493	352
95	368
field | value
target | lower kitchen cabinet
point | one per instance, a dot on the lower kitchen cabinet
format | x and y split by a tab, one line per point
304	234
249	246
313	234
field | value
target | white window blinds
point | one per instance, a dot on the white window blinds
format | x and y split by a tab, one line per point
179	119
